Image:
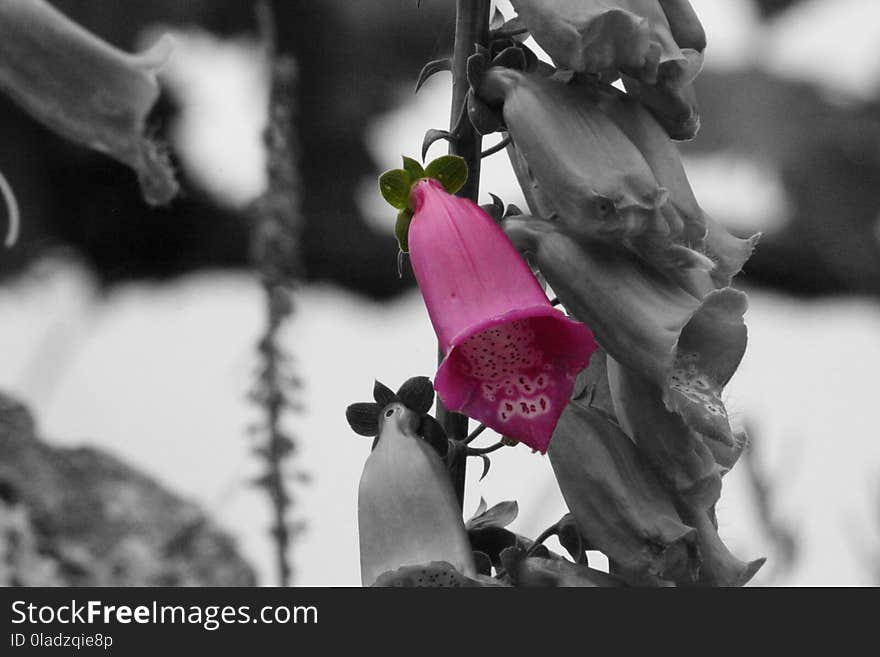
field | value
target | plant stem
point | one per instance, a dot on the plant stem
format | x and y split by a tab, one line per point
276	225
471	28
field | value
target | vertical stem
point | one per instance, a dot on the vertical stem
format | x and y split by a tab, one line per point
471	28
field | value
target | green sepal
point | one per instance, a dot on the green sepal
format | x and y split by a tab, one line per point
395	186
413	168
401	229
450	170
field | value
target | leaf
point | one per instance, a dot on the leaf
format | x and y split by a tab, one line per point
401	231
363	418
450	170
395	186
413	168
500	515
383	394
432	67
476	69
417	394
483	118
481	508
431	136
511	57
486	465
570	538
483	563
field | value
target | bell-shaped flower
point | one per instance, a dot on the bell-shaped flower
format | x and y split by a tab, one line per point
726	251
609	37
511	359
620	507
84	89
590	175
677	453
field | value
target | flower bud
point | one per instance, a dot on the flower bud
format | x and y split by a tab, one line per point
408	513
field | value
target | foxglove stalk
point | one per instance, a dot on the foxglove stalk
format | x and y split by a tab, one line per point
85	89
510	358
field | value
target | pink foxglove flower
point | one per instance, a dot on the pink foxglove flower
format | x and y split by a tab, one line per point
511	358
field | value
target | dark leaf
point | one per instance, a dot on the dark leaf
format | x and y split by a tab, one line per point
431	68
431	136
417	394
363	418
383	394
476	67
570	539
486	465
491	541
484	119
483	563
512	57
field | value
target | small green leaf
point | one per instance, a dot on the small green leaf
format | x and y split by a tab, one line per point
401	229
450	170
413	168
395	187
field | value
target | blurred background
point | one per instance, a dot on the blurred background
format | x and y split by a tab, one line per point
128	334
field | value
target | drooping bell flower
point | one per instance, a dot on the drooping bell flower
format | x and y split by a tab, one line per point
511	359
704	234
610	37
619	505
591	176
84	89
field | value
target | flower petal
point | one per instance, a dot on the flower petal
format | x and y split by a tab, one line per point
516	373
